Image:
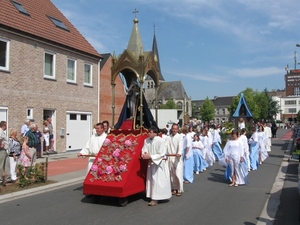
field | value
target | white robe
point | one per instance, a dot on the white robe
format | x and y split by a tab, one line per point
175	146
158	186
233	152
268	134
92	148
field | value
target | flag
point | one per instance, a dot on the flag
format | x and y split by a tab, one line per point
287	67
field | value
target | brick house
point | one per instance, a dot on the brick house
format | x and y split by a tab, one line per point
47	68
106	92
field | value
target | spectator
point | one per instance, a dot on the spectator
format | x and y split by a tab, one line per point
14	153
51	134
25	127
33	141
4	162
46	135
25	157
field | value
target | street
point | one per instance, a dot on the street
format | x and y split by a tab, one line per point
209	200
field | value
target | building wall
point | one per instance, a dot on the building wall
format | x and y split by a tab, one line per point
106	94
292	82
25	87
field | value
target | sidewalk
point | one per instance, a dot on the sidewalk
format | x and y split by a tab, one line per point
65	166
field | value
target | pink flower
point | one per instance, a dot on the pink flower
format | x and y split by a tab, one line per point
116	153
109	170
106	142
99	160
94	168
127	143
123	167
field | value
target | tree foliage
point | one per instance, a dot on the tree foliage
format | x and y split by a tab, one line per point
207	110
170	104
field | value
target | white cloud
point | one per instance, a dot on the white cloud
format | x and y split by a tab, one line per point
206	77
256	72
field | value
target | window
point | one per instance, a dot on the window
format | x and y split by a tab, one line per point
29	113
292	110
71	70
290	102
179	105
58	23
83	117
223	111
4	54
49	66
20	8
151	84
73	116
87	74
296	91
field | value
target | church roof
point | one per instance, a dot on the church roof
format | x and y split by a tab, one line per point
242	103
156	55
171	90
40	19
135	44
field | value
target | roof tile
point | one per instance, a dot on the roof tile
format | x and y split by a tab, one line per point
39	25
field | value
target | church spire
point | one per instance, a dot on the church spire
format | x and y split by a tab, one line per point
135	44
155	53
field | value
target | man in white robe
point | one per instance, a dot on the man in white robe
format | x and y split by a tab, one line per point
268	134
175	146
158	186
93	145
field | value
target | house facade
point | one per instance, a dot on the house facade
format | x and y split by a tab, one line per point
47	68
221	105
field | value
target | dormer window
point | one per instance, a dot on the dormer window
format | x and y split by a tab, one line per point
58	23
20	8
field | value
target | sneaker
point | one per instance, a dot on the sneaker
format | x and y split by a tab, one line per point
204	169
197	172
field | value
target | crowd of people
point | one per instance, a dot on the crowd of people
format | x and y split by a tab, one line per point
23	148
179	154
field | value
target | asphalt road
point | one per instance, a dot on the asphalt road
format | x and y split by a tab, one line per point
209	200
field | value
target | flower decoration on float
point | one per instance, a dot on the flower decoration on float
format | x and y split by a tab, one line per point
113	159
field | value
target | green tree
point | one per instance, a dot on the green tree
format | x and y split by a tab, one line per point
273	107
170	104
207	110
298	116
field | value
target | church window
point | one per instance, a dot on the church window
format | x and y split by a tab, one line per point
151	84
179	105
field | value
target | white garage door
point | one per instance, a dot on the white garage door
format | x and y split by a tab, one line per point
78	130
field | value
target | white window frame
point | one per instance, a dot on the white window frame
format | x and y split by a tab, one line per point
75	70
91	74
6	67
29	113
53	67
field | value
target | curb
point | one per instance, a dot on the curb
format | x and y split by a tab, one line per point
38	190
269	211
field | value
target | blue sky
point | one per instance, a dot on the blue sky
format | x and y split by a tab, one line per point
215	47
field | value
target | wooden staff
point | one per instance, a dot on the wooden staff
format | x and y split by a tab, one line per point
171	155
83	156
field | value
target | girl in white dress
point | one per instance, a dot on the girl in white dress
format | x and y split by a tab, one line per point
233	152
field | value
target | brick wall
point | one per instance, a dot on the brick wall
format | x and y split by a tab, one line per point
24	85
106	94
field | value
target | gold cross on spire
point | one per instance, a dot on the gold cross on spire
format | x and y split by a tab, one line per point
135	12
